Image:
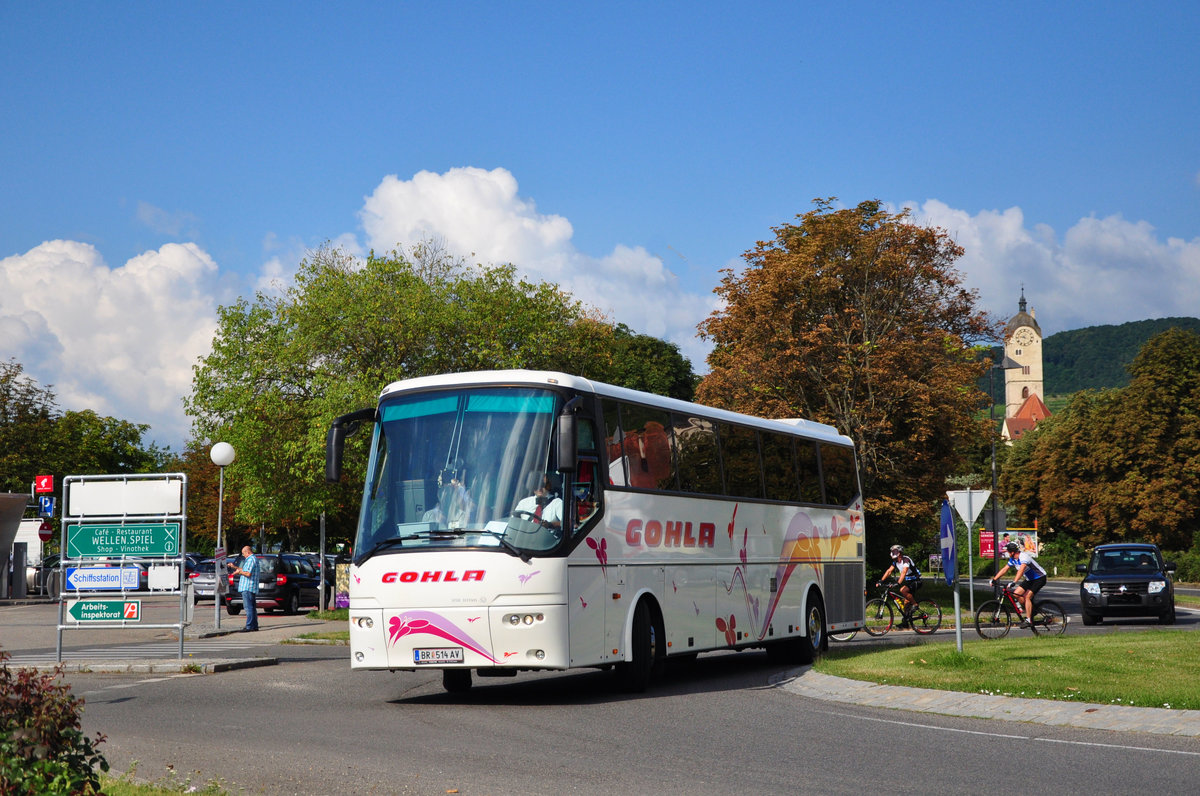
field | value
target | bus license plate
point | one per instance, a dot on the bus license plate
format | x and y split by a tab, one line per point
438	655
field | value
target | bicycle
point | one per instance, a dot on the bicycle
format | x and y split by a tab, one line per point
925	617
994	618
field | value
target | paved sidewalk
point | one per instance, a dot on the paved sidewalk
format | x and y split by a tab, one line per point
203	652
1162	721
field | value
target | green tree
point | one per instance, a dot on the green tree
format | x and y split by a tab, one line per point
642	362
857	318
37	439
282	367
27	413
1121	464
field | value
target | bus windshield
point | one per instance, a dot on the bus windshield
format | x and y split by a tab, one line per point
462	468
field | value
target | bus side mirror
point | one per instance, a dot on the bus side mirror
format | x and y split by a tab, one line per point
335	440
566	442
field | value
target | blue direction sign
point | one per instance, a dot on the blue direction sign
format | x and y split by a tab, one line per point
115	539
105	610
46	506
98	578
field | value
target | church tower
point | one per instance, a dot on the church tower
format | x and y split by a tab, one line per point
1022	344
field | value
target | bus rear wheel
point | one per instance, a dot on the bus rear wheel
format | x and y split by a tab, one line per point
805	650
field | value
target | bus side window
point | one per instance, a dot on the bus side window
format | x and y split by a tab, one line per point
646	447
617	466
841	479
585	490
810	476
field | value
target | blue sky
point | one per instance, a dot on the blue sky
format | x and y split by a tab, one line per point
158	160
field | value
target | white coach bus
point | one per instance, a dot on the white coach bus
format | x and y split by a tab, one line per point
527	520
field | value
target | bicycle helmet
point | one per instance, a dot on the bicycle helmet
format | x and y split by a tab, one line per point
897	550
1012	547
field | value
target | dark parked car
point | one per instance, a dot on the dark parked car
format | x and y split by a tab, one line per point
286	582
1127	579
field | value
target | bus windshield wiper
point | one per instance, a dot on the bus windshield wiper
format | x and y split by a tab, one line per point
397	541
394	541
507	545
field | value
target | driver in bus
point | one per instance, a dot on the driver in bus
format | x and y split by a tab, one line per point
544	506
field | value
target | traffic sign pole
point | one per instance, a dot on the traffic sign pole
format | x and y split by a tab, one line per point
968	503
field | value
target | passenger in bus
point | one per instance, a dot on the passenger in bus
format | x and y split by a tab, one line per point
545	505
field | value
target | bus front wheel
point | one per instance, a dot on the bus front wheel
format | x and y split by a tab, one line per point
456	681
646	648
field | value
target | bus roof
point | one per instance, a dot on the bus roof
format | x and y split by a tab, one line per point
797	426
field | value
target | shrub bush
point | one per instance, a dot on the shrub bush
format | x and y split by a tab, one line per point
42	747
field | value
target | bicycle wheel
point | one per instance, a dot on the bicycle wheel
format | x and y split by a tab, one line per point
879	617
993	619
1049	618
926	617
849	634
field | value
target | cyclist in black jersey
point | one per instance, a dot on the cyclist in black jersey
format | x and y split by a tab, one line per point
907	575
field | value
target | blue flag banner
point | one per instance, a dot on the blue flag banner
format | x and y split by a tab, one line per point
949	564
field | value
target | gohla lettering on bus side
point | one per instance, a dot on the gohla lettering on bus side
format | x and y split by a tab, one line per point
655	533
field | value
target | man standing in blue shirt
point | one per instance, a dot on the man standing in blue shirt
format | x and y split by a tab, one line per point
247	586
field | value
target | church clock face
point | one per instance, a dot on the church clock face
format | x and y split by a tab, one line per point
1024	337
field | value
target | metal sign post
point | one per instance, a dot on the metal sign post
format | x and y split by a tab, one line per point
130	519
950	565
968	503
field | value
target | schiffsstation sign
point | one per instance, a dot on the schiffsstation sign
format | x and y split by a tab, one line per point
88	540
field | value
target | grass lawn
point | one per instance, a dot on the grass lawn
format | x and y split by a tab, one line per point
1156	668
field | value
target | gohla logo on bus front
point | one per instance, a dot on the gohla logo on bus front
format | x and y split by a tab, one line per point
433	576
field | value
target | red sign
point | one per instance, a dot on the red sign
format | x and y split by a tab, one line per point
43	484
45	531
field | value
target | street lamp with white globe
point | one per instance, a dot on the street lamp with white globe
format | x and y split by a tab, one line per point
222	456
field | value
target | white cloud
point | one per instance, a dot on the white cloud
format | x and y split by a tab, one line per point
479	215
120	341
1101	271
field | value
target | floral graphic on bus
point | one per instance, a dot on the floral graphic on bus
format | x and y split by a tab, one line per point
601	549
429	623
801	547
728	628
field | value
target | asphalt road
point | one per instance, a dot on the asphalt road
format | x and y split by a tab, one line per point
724	725
308	725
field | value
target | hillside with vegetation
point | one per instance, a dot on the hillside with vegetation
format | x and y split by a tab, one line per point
1098	357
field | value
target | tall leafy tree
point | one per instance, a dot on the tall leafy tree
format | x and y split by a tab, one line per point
283	366
1121	464
856	317
27	413
37	439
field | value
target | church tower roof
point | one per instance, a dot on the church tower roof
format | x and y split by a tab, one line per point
1022	318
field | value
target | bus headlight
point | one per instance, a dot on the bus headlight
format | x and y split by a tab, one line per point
524	619
364	622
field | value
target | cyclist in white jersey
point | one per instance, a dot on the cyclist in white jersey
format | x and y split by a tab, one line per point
1028	579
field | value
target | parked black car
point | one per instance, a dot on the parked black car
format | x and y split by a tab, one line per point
286	582
1127	579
